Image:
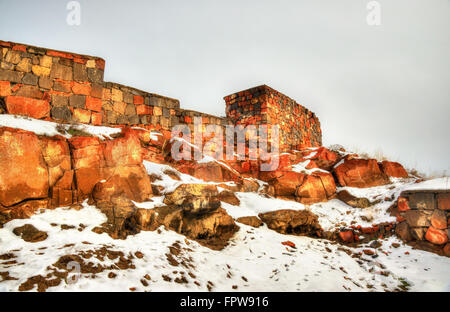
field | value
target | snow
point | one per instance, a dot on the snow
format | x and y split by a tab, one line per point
434	184
301	168
49	128
256	254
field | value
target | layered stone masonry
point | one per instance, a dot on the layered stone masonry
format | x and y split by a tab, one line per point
262	105
425	215
68	87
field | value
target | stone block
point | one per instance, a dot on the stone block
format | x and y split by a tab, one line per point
61	72
95	75
422	201
5	88
81	115
80	72
59	100
443	201
24	65
10	75
93	104
416	218
61	113
81	88
25	106
77	101
45	82
40	70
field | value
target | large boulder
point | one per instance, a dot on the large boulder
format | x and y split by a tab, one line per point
211	228
23	171
360	173
297	222
435	236
393	169
316	188
194	197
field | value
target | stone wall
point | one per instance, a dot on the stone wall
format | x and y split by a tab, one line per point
424	216
67	87
299	127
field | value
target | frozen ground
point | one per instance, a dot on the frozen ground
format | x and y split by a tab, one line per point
255	260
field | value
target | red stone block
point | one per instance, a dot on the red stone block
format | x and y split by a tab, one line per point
346	236
435	236
393	169
81	88
93	104
5	43
81	115
403	204
5	88
60	54
143	110
137	99
100	64
443	200
20	47
96	119
187	119
79	60
19	105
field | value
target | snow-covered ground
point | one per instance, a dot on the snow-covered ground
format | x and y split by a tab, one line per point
255	260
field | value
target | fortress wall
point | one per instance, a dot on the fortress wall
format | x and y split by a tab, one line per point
68	87
263	105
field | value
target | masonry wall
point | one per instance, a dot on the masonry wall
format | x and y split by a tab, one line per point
67	87
299	127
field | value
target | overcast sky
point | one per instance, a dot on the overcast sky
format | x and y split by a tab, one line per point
373	87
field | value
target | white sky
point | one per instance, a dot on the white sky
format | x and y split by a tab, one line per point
373	87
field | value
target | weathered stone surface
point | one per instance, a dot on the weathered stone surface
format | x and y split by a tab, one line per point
194	197
229	197
393	169
59	71
417	218
23	173
435	236
18	105
30	234
439	219
252	221
61	113
422	200
353	201
301	222
77	101
211	171
360	173
402	230
403	204
443	200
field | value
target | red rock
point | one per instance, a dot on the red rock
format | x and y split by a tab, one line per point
81	115
288	243
100	64
393	169
129	181
23	173
287	183
447	250
435	236
443	200
124	150
81	88
137	99
5	88
19	105
96	119
439	219
60	54
93	104
360	173
347	236
143	110
369	252
324	158
403	204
